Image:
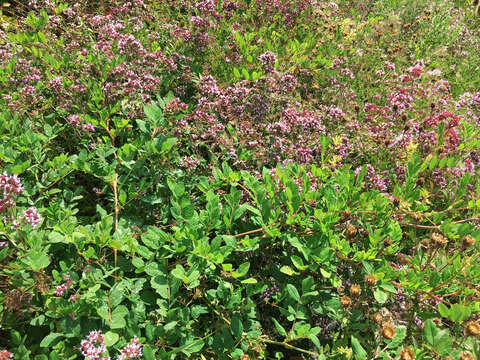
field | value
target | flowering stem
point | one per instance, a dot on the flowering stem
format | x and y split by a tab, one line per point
288	346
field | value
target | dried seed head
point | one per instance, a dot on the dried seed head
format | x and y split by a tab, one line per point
438	239
465	355
468	241
345	301
417	216
377	318
388	330
473	328
407	354
351	230
387	242
370	280
355	290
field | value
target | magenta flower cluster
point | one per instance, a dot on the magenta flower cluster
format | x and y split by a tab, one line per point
94	348
78	122
60	289
12	187
131	351
268	60
5	355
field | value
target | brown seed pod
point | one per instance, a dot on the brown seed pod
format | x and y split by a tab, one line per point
438	239
345	301
351	230
417	216
468	241
371	280
387	242
377	318
388	330
355	290
473	328
465	355
407	354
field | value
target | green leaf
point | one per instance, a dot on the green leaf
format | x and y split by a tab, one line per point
358	350
443	310
148	352
51	339
288	270
280	328
37	260
242	270
118	317
110	338
293	292
430	330
236	326
298	262
380	296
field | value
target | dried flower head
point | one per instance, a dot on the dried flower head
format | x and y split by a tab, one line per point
351	230
387	242
465	355
370	280
438	239
377	318
5	355
417	216
388	330
407	354
473	328
468	241
355	290
345	301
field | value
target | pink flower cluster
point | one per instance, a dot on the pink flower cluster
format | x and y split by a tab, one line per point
78	122
94	348
5	355
11	186
268	60
32	217
131	351
60	289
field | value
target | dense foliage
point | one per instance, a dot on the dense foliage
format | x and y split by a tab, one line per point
240	179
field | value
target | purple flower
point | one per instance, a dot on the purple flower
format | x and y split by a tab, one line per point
32	217
268	60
